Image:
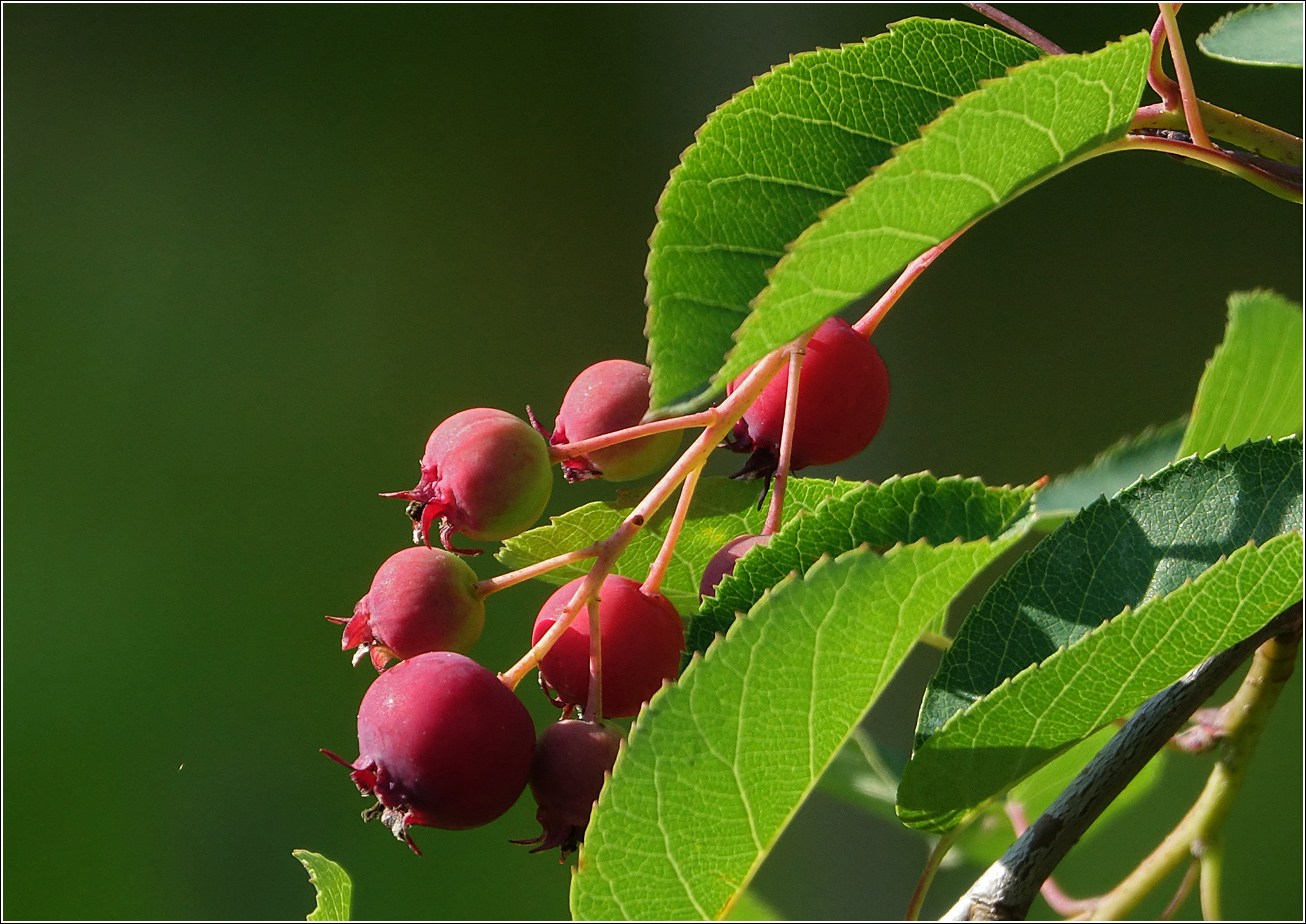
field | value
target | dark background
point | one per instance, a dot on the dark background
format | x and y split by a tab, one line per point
253	254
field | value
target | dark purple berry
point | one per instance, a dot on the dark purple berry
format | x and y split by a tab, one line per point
843	395
606	397
443	743
572	760
643	637
723	562
485	474
421	600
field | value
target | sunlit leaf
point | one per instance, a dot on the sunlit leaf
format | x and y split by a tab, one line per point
1105	612
901	510
987	149
769	161
335	890
1252	387
717	764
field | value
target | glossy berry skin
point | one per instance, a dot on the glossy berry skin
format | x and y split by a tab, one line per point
572	760
723	562
606	397
843	395
643	638
485	474
443	743
421	600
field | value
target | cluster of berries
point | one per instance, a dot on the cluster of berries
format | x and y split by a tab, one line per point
444	742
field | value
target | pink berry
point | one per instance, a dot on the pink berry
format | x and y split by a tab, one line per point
421	600
843	394
723	562
485	474
443	743
572	760
606	397
643	638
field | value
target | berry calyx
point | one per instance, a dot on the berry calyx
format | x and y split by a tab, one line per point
606	397
723	562
843	395
485	474
421	600
643	638
572	761
442	743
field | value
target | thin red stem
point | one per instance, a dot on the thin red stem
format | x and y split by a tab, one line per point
1018	27
868	322
1157	78
565	451
499	582
776	511
594	702
1184	76
658	570
1185	886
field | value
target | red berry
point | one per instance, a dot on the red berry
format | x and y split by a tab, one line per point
606	397
723	562
572	759
643	638
485	474
843	394
443	743
421	600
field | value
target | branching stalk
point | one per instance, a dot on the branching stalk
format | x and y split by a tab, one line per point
722	419
499	582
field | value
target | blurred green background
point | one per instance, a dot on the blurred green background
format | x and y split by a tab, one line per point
253	254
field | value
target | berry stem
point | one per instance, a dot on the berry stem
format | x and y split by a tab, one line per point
1018	27
1187	92
499	582
658	570
594	703
564	451
776	510
719	421
1157	78
871	320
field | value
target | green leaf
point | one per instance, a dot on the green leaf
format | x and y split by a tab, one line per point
1252	386
988	838
1104	676
901	510
717	763
721	510
335	890
995	143
769	161
996	719
1117	553
1114	469
1270	35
